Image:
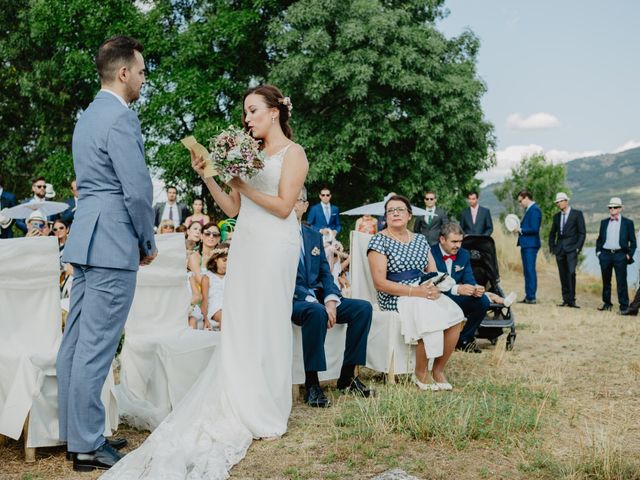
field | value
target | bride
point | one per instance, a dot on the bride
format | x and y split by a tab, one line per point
245	392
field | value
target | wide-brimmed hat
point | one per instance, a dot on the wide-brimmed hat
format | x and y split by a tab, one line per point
36	215
560	196
615	202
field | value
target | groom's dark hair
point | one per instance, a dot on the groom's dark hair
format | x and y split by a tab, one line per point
115	52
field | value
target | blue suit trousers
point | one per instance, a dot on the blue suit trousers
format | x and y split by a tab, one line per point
529	256
100	303
312	317
474	309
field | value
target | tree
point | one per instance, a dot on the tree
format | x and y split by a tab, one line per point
542	179
382	100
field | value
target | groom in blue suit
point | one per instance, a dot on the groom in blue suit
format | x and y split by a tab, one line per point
324	217
318	306
112	235
450	257
529	243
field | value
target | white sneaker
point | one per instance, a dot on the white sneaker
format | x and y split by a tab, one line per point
509	299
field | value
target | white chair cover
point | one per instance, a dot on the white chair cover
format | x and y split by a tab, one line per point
386	350
333	351
161	357
30	334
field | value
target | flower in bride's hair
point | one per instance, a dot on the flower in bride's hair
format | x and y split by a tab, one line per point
286	101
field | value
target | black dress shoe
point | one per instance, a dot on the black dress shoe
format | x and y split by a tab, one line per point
629	313
468	347
526	300
117	443
605	307
573	305
315	397
564	304
356	387
103	458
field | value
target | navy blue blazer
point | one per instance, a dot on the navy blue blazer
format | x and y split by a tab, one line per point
461	270
627	236
483	225
7	200
317	220
529	236
315	273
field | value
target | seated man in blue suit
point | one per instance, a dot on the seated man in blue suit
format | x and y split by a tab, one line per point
529	243
450	257
324	217
318	306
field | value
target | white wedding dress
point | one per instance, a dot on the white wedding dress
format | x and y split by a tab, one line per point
245	392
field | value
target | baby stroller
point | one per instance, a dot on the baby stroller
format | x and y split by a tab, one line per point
484	263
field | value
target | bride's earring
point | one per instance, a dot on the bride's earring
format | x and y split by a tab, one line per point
273	120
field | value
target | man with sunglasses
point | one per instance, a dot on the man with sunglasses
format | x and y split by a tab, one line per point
615	247
324	217
39	189
433	220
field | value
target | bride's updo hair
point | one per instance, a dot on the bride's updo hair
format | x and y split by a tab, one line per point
274	98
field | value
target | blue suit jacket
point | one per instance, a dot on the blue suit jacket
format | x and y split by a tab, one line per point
627	236
113	222
530	228
7	200
461	270
315	273
317	220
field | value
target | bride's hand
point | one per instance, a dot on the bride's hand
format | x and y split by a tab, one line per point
198	163
236	183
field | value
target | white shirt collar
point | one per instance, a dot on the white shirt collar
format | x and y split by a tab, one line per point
566	213
120	99
1	190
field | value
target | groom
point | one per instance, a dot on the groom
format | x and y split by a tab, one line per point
318	306
112	235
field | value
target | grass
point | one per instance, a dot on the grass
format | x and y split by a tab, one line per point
500	413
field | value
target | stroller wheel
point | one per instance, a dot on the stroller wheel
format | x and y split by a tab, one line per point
511	339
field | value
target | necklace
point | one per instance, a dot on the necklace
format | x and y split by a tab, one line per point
397	239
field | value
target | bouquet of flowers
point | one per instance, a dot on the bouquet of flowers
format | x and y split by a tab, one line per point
235	153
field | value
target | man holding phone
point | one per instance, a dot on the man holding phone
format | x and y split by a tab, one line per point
451	258
37	225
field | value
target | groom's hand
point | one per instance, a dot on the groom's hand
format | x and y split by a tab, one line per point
332	313
147	259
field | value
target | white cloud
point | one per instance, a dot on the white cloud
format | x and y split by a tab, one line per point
627	146
535	121
512	155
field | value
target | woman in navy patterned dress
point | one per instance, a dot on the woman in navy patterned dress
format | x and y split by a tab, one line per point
398	260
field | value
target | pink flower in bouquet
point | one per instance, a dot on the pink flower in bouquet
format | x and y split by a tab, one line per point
235	153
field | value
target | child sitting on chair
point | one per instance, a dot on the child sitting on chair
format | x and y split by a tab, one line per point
213	287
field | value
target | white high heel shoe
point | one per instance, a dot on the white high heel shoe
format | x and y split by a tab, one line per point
433	387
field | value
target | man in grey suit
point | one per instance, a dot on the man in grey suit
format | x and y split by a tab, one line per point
112	235
476	220
433	220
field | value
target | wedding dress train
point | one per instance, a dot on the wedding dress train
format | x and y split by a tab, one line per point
245	391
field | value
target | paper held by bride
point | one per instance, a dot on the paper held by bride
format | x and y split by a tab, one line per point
192	144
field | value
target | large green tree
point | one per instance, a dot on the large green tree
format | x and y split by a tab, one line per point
48	77
383	101
542	178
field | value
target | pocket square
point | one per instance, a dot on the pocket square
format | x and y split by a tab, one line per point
458	268
315	252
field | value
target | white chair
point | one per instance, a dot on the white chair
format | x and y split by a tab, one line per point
30	334
333	349
386	350
161	357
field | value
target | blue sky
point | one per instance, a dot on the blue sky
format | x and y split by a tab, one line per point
562	76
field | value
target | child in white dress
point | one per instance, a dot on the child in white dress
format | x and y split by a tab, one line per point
213	287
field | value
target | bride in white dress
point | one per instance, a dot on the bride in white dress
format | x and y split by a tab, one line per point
245	392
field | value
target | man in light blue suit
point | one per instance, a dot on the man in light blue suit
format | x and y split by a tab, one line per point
324	217
529	243
112	235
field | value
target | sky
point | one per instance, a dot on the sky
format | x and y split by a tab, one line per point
563	76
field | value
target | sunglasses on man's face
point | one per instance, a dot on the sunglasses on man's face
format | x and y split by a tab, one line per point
613	208
207	233
40	186
325	194
429	198
38	225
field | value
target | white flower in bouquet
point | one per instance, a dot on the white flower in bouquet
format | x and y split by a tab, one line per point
235	153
